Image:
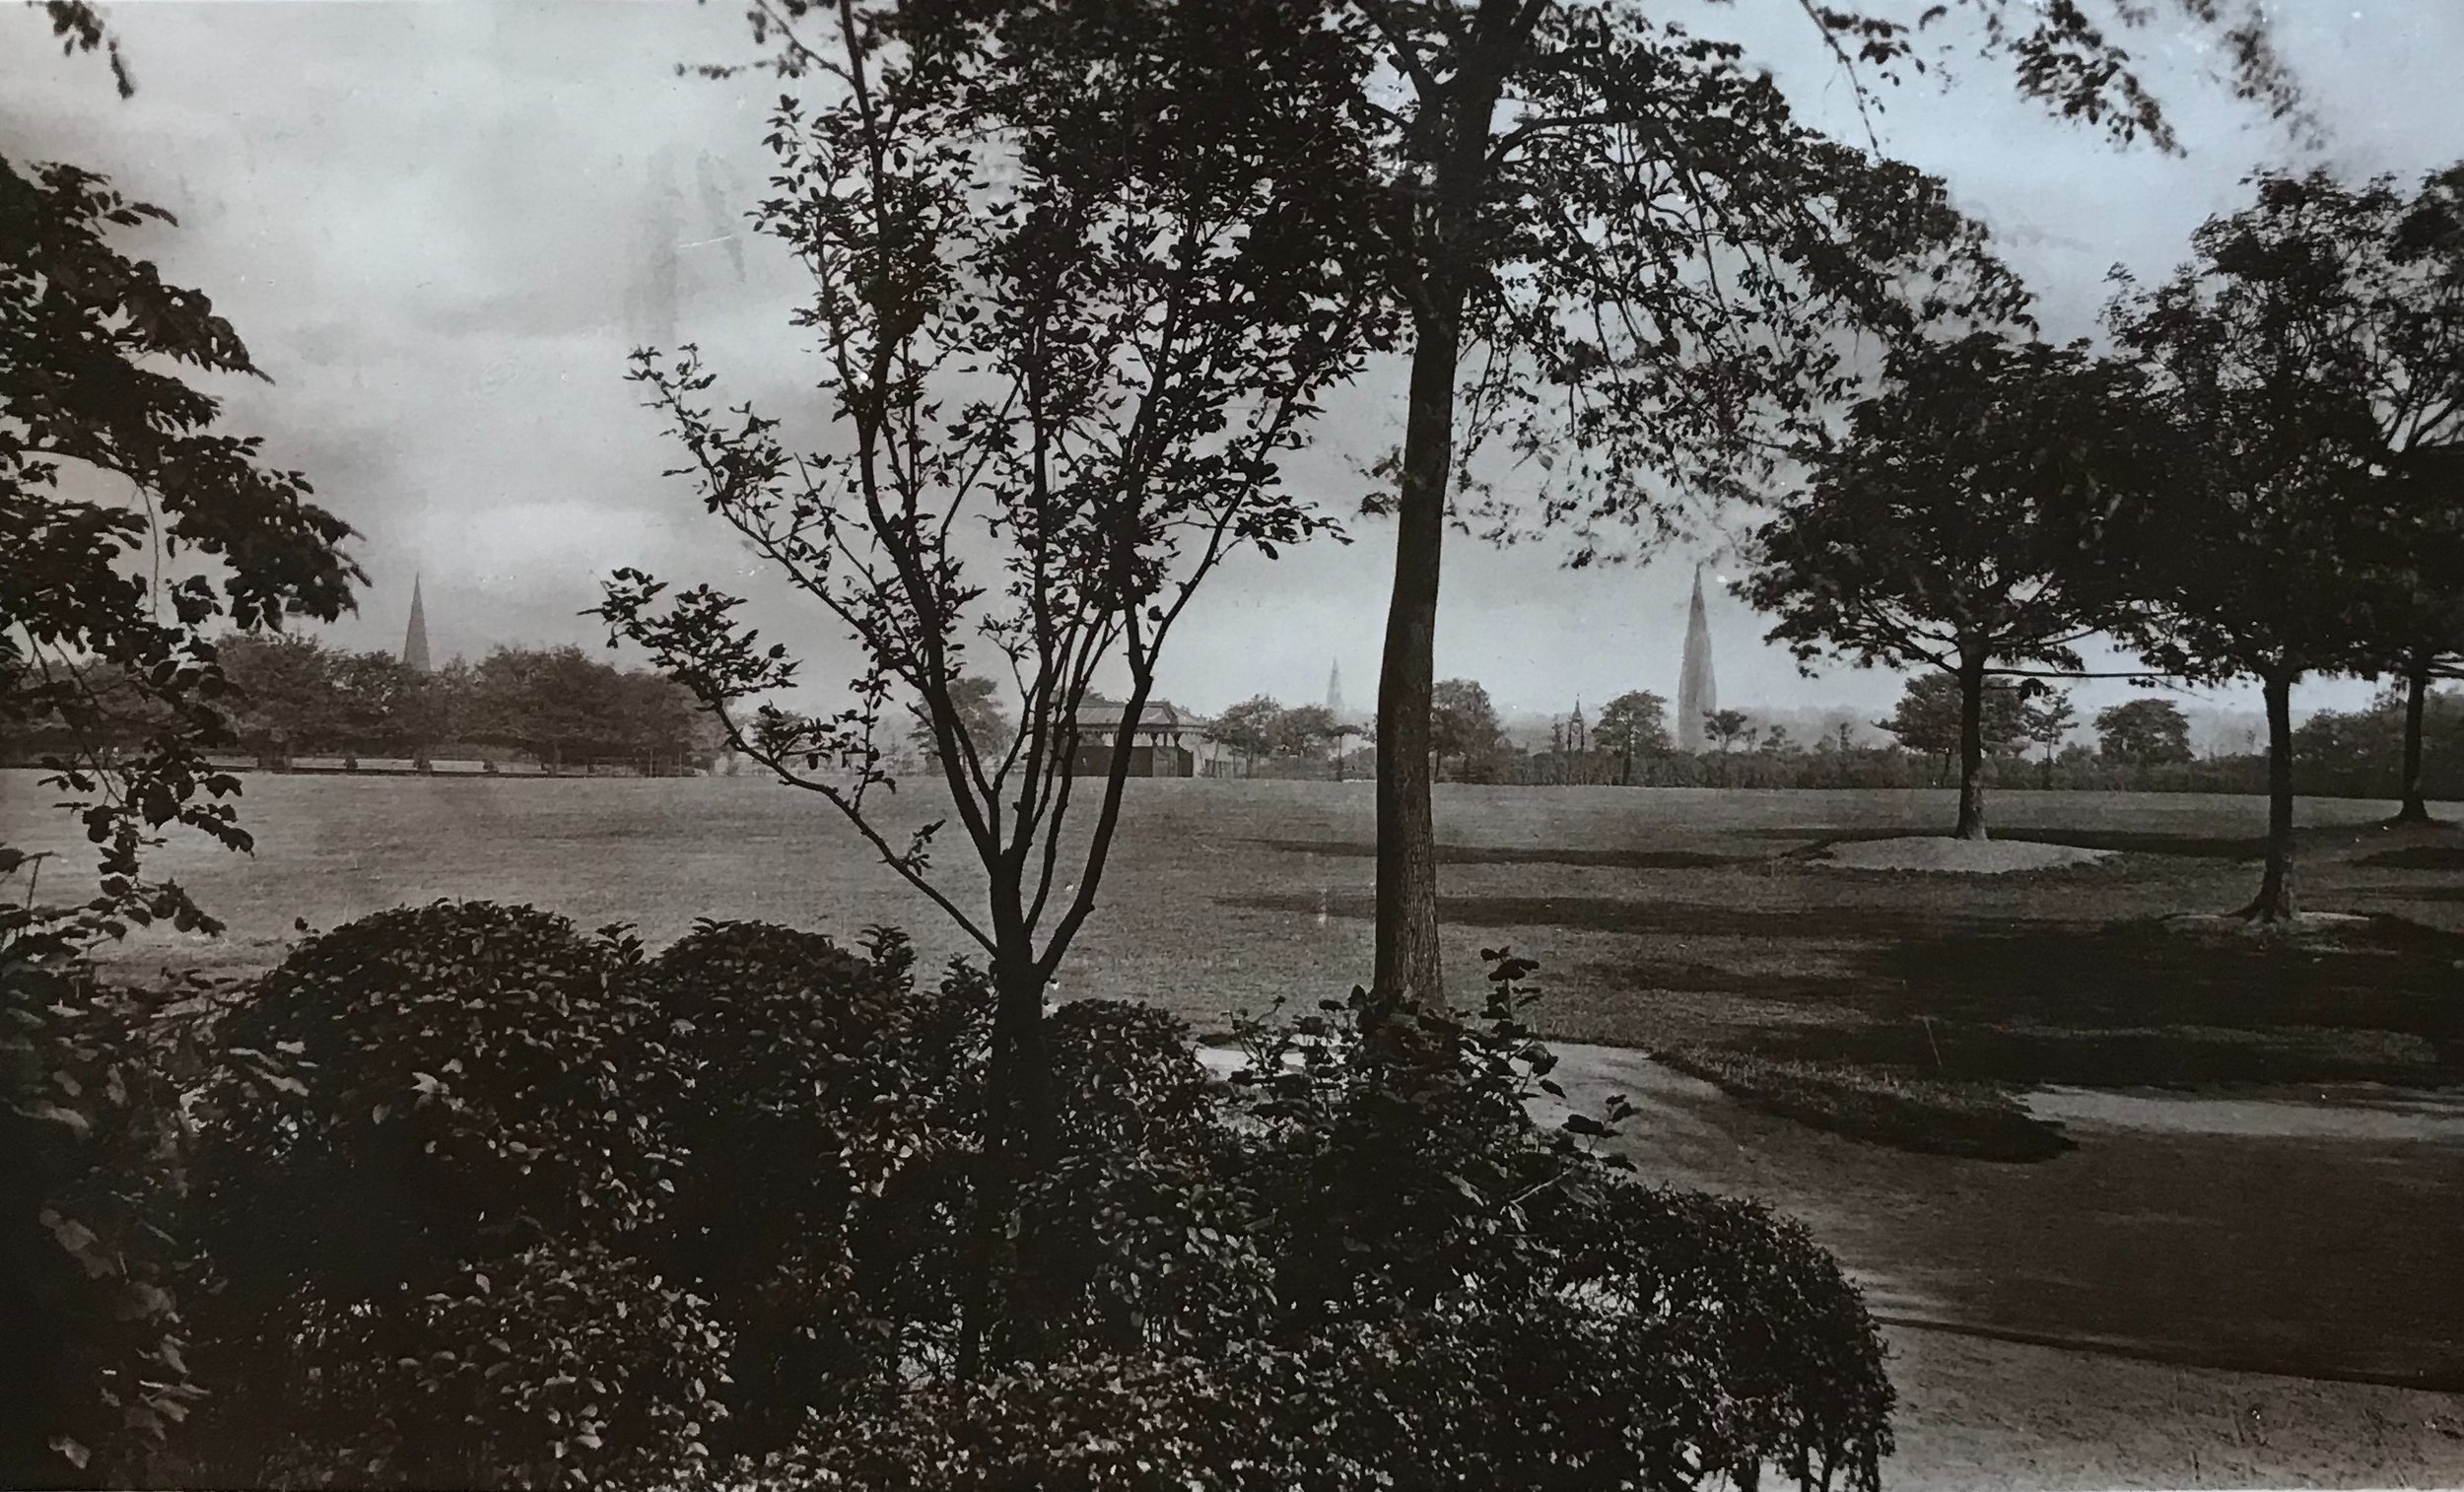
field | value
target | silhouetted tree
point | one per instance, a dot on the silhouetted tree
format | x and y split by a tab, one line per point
1960	523
1071	315
2257	348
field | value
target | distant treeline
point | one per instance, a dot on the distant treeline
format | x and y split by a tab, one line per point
293	697
2336	754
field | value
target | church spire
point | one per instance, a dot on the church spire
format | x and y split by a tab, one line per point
1697	693
1335	690
415	636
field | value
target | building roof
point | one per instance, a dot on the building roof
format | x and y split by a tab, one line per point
1159	714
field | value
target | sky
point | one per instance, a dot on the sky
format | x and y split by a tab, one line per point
441	226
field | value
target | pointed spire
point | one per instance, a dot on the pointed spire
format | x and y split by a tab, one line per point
415	637
1335	690
1698	691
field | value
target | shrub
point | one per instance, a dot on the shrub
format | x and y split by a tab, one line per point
485	1201
562	1364
817	1109
407	1108
94	1374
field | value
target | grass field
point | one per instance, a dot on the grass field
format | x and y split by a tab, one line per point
2268	1173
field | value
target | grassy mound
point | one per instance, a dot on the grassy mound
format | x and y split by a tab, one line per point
1974	1120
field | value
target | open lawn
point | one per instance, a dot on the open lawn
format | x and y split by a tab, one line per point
2268	1170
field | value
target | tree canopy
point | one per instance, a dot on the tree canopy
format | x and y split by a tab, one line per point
1960	523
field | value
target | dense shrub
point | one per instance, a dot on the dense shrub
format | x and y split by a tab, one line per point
481	1200
408	1111
92	1376
819	1112
564	1362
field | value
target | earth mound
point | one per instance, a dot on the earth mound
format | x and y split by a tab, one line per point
1944	855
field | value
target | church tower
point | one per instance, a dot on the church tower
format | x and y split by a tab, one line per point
1335	691
415	638
1698	694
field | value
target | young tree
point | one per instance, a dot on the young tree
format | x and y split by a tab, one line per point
1960	523
1729	727
2048	720
1635	723
2143	733
2259	348
1069	318
1247	728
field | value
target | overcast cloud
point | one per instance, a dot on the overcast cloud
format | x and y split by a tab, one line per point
441	226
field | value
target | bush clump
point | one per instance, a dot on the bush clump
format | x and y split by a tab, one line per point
484	1201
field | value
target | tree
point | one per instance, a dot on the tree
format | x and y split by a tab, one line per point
1958	526
282	693
2413	320
2259	348
1069	317
1635	723
1464	726
1729	727
975	701
2143	733
1302	730
1929	717
2047	721
1247	728
1648	256
135	528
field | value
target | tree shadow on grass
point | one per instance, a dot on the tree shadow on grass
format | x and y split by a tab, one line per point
2417	858
2135	1004
1487	854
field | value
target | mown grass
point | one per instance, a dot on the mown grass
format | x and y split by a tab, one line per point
1972	1121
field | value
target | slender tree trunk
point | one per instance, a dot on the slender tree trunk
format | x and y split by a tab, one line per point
2415	809
1408	973
1972	824
2275	903
1018	1145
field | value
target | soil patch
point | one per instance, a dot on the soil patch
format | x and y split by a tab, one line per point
1941	854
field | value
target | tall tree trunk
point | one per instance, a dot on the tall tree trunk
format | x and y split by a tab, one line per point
2415	809
2275	902
1971	750
1409	974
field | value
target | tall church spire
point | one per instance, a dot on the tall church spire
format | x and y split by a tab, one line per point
415	637
1697	693
1335	690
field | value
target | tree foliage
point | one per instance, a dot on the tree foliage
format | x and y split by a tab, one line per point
1962	523
2263	350
1069	319
134	526
2143	733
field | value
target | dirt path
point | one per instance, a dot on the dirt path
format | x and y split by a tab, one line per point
2090	1320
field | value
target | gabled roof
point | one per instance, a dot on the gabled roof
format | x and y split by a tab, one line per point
1105	714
